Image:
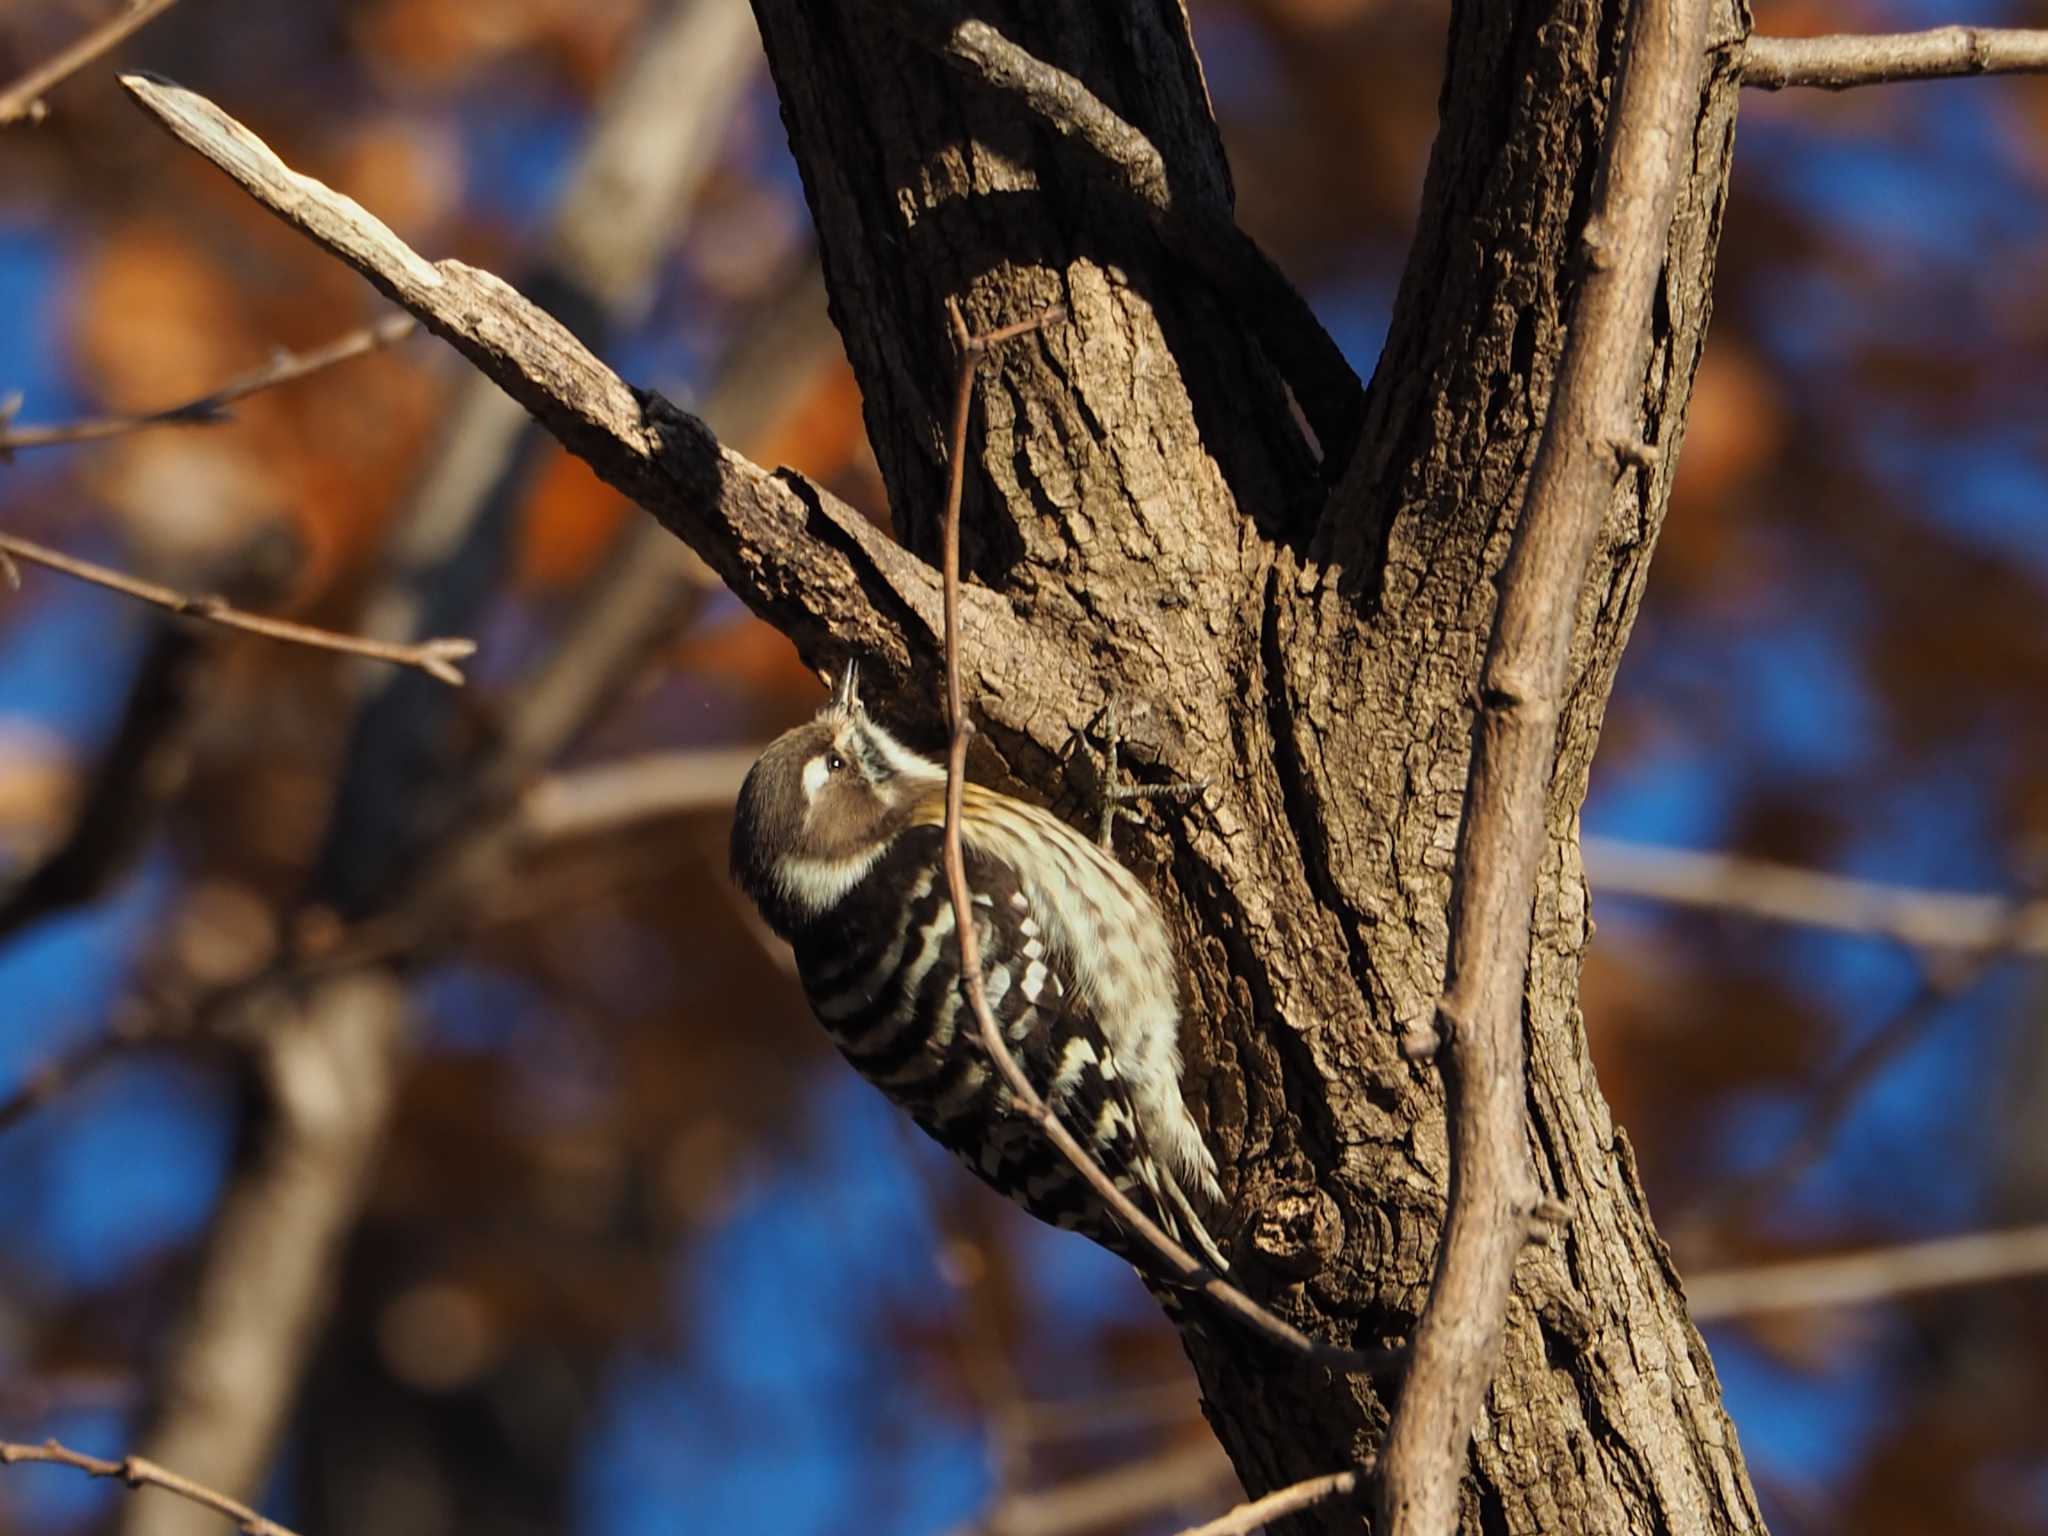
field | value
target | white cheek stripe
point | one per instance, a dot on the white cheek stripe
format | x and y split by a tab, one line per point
816	885
815	772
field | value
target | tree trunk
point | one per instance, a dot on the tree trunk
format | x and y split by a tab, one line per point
1307	638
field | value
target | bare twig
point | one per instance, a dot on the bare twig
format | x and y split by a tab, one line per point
1880	1273
1587	441
1781	893
1195	224
23	99
1841	62
436	658
137	1472
1126	1494
1283	1502
211	409
1183	1265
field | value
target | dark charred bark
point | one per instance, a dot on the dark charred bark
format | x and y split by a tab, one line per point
1141	498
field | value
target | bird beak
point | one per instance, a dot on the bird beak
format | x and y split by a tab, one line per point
846	694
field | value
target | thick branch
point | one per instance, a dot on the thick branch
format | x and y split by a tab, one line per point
327	1061
1589	438
804	560
605	797
1841	62
414	806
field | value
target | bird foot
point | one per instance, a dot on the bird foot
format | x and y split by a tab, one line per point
1117	797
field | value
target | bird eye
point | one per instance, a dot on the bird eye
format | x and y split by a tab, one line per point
834	762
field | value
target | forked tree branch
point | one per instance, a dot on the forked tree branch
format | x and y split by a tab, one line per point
1590	438
807	562
1842	62
210	409
139	1472
436	658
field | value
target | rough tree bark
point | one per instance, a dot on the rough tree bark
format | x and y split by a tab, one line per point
1308	639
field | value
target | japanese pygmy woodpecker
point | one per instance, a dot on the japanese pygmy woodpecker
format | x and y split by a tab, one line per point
838	838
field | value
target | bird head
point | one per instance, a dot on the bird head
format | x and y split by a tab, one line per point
821	806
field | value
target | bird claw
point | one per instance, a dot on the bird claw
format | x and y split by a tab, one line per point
1116	798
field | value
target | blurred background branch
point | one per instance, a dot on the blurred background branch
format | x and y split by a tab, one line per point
1878	1274
24	98
1780	893
211	408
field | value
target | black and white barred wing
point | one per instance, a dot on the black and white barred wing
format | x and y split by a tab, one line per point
883	975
